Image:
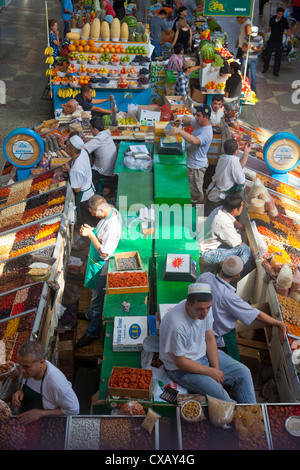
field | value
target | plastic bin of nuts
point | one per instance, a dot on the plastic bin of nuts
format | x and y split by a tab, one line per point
191	412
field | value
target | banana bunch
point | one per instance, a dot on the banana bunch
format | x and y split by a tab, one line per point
49	60
67	93
48	72
253	99
48	51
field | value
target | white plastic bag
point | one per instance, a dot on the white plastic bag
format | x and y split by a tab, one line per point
285	277
292	55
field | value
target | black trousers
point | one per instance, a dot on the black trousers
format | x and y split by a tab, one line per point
277	47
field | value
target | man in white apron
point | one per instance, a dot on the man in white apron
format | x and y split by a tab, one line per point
104	240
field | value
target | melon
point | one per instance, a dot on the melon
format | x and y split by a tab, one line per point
105	31
73	36
85	32
207	52
115	29
124	32
95	29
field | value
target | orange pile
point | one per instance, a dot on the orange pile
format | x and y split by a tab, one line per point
112	48
80	45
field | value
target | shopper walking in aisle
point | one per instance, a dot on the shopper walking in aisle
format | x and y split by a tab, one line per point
229	176
252	48
44	389
175	62
228	307
294	7
80	175
157	26
182	80
183	35
277	25
118	6
142	10
198	143
245	25
66	12
188	350
104	239
181	14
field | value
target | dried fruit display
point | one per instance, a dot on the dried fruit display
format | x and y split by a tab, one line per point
130	378
277	415
15	332
126	434
28	239
33	209
21	300
127	279
245	432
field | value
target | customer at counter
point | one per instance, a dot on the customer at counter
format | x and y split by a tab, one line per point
80	174
104	239
87	102
198	143
188	350
175	62
182	80
228	307
217	112
44	389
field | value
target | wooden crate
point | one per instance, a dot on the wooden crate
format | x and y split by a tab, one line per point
128	254
130	392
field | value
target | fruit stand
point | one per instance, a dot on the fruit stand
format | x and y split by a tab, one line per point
113	58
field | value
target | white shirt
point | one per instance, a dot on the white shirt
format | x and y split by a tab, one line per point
227	173
182	336
57	391
105	153
242	34
215	117
81	175
227	306
109	233
220	229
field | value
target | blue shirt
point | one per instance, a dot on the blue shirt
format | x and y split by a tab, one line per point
69	6
197	154
52	38
227	306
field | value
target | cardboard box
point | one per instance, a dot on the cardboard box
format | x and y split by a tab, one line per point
174	102
129	333
148	114
130	392
198	96
163	309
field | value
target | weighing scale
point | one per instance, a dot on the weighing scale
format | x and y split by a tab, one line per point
169	148
282	154
24	149
180	267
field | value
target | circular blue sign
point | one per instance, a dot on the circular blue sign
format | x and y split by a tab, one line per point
23	152
282	152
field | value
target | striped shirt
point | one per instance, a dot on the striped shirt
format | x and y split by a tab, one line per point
181	85
254	42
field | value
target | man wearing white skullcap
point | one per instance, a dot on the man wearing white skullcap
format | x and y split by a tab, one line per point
188	349
228	307
80	174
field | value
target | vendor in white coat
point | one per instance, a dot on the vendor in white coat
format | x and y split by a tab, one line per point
44	389
104	239
80	174
229	175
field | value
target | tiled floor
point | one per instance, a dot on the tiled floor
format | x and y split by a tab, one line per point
23	39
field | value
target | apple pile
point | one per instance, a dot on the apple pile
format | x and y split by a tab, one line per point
71	69
113	72
115	59
123	71
93	58
132	70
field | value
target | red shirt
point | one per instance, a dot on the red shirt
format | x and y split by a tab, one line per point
109	9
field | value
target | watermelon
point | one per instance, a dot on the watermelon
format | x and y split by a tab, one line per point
203	41
207	53
130	20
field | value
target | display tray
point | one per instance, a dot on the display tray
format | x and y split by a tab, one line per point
128	261
20	300
122	289
110	432
33	209
252	434
277	416
130	392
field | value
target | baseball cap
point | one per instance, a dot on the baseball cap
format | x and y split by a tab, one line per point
77	142
204	109
254	31
187	64
232	265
